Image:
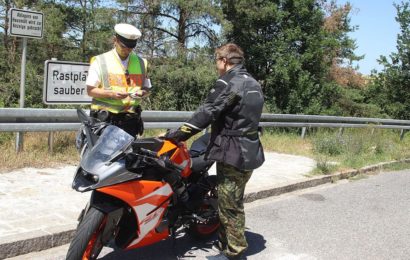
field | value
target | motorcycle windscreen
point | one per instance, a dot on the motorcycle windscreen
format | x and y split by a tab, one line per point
112	141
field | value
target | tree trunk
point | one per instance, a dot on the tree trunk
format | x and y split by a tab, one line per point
183	16
7	6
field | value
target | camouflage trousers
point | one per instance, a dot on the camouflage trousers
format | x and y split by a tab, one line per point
231	188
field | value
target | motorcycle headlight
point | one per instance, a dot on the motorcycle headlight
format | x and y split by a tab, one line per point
90	177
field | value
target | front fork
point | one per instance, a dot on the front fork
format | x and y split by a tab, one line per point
82	213
113	214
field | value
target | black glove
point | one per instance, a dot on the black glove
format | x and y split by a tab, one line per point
183	133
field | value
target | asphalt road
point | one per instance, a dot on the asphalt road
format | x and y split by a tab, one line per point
363	219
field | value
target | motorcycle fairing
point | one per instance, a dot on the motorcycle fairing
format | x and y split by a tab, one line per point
100	161
149	201
181	157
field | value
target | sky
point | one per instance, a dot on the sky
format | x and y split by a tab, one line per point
377	32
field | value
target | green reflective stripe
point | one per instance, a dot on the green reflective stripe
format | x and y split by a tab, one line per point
142	66
103	105
134	65
119	103
104	71
108	104
137	66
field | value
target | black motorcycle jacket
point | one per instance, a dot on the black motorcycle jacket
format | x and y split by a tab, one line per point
233	107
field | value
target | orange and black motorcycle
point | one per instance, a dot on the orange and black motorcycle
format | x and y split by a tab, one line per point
143	190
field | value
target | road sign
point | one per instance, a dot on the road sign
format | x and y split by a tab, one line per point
64	82
25	23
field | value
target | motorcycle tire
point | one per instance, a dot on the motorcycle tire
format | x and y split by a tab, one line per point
204	230
86	244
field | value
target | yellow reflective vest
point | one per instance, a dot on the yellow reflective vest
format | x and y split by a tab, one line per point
113	77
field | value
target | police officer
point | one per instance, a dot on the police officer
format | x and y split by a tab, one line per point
117	81
233	107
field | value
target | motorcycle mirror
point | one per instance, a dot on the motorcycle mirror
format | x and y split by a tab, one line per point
84	118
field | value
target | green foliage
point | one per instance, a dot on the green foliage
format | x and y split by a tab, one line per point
391	87
324	166
288	50
328	145
5	137
182	83
351	102
290	47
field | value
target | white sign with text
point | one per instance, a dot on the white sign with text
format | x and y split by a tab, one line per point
25	23
64	82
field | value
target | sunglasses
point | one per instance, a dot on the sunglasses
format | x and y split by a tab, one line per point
122	45
127	77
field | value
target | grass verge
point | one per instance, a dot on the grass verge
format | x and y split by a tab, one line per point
357	148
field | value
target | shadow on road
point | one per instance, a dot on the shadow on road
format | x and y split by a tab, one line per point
185	247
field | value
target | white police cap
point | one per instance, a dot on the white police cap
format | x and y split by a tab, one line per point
127	34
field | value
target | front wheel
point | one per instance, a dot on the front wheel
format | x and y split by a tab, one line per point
87	244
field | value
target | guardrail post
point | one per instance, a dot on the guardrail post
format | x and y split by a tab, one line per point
19	142
50	142
303	132
341	131
402	132
51	133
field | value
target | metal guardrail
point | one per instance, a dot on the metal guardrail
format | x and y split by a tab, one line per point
51	120
37	120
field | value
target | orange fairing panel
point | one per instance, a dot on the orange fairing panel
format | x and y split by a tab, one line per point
166	147
133	190
149	200
181	157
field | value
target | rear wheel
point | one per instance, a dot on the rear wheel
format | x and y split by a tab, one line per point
210	223
87	244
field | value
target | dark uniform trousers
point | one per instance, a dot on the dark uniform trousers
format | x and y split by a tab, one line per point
231	188
129	122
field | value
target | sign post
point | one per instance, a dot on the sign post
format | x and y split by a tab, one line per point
19	137
26	24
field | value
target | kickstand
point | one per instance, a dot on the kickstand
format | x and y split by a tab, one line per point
174	243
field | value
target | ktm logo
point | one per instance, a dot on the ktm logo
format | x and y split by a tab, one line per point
151	217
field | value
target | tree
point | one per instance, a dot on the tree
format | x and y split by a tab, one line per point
181	20
288	50
182	83
275	35
10	51
391	86
181	72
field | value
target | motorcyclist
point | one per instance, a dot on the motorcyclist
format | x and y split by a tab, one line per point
233	107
